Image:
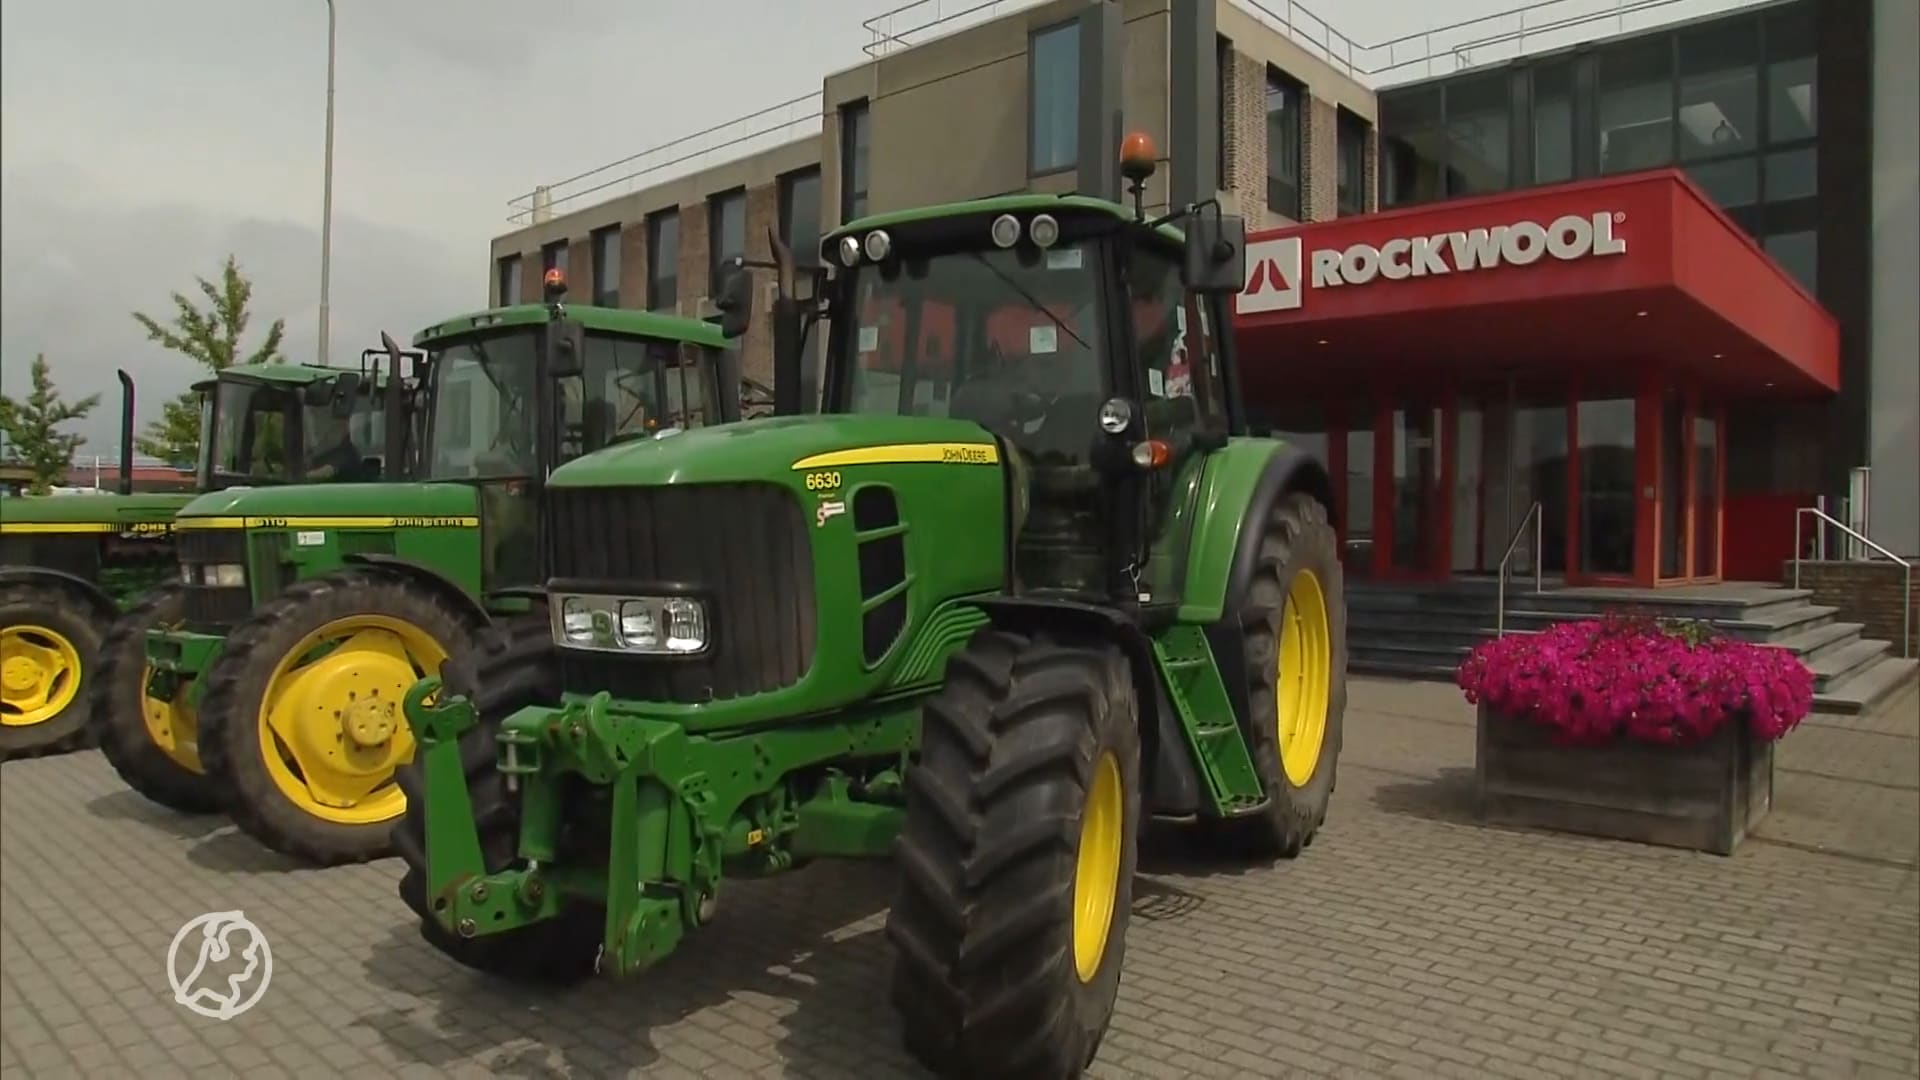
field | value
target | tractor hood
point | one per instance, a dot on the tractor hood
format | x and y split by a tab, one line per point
766	448
90	509
336	500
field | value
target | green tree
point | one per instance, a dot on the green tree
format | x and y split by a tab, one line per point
211	337
32	428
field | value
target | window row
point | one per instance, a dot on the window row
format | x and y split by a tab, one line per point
799	214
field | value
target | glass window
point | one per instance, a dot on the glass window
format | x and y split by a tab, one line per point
1636	105
483	393
1540	475
1731	183
1797	253
1719	89
1412	146
606	266
1356	509
1607	491
726	234
800	214
251	422
1552	123
1792	174
1416	466
1477	111
1054	113
1285	100
553	257
1792	105
1004	337
1352	164
1706	496
509	280
1675	454
855	133
663	260
629	385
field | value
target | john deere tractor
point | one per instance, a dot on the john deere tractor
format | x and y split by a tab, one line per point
70	564
1020	584
267	682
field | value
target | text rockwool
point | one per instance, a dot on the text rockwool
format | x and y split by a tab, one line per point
1574	236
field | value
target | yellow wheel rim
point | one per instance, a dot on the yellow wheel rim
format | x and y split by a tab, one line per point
1096	876
174	726
39	675
331	727
1304	683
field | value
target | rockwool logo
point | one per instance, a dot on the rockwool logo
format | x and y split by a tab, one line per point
1273	266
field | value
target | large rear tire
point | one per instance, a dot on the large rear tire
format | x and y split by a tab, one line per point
152	744
1017	858
515	666
1294	626
302	726
49	646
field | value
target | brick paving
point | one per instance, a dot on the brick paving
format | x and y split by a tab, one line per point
1407	942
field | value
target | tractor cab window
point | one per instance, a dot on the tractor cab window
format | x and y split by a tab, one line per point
346	448
1009	338
631	386
483	411
247	425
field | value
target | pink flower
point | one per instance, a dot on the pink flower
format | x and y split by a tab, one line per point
1596	680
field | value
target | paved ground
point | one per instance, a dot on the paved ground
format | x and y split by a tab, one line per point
1407	942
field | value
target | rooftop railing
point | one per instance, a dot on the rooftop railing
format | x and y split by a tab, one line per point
1534	27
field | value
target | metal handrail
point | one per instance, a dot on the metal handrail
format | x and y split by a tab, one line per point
1906	593
1535	517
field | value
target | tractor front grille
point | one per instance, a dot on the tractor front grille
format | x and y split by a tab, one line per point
744	546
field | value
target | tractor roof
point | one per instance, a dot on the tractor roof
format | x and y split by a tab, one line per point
998	204
610	320
279	373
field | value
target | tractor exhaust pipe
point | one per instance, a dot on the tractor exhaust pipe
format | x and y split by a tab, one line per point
126	431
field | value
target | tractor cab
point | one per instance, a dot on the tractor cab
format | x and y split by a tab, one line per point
288	424
513	393
1094	345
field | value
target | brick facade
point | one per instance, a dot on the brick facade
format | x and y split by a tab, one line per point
580	270
633	264
693	271
1244	130
1864	592
1320	179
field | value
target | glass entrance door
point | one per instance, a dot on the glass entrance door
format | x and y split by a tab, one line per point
1418	543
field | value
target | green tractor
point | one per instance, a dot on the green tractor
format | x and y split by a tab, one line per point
267	682
1022	583
70	564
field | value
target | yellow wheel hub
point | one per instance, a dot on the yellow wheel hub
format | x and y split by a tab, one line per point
1096	876
39	675
331	728
1304	684
174	726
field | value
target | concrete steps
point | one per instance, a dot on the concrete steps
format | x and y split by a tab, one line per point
1425	631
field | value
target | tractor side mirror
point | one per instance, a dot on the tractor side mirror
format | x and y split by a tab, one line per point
1216	253
566	345
342	391
735	300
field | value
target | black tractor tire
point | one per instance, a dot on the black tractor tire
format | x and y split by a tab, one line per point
119	703
986	977
68	614
515	668
231	746
1299	538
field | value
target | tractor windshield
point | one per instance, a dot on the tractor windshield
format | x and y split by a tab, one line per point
483	408
248	428
1010	338
632	386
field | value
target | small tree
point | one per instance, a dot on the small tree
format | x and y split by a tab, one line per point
32	428
212	339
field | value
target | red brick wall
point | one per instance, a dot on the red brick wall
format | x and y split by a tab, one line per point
1865	592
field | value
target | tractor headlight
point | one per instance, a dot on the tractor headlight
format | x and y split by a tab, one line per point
226	575
657	625
187	574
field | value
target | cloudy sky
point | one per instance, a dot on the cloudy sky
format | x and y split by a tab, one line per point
142	141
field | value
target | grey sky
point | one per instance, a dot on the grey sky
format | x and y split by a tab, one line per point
140	142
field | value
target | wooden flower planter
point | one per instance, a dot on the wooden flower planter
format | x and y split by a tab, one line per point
1705	797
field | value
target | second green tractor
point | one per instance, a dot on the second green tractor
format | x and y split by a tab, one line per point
267	681
1020	584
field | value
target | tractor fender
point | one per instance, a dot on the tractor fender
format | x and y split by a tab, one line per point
1173	787
100	602
1237	509
430	579
1241	486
